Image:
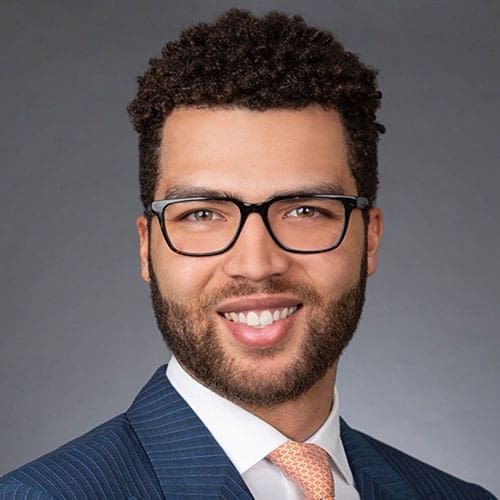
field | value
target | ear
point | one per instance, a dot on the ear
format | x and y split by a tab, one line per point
142	230
373	237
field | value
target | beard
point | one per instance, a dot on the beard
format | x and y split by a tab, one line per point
193	339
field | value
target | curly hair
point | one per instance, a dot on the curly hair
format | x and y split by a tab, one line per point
259	63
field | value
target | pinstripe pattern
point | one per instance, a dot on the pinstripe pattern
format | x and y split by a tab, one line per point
382	472
108	462
21	492
160	449
193	465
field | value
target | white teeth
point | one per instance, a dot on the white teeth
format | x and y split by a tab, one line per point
252	319
265	318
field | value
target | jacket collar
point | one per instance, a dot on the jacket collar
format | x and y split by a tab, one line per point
185	457
188	461
374	477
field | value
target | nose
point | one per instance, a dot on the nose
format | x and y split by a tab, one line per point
255	256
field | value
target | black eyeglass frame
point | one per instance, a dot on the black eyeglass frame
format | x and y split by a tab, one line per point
350	203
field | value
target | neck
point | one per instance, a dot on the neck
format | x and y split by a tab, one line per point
301	418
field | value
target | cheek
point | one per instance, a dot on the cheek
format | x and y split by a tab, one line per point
334	274
179	277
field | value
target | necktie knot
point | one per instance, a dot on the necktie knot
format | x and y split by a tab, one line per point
307	465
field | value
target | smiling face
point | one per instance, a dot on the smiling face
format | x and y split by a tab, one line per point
257	324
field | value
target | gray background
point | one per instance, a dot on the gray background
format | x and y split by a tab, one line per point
78	338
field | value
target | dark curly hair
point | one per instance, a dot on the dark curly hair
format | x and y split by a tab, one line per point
259	63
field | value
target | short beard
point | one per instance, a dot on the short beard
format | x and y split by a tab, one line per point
193	340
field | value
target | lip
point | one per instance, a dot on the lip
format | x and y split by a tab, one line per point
258	303
260	338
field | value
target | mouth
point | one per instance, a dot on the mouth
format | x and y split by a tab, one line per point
261	318
260	322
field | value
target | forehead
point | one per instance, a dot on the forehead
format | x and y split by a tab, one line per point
253	154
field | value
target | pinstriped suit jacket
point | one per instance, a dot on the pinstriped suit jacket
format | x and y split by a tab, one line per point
160	449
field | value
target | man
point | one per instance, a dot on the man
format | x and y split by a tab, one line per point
258	172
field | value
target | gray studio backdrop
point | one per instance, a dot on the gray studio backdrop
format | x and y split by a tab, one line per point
78	338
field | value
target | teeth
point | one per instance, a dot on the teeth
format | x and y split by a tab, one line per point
252	319
265	318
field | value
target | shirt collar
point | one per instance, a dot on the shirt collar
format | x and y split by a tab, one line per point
245	438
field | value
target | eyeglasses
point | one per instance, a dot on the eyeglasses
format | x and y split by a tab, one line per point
202	226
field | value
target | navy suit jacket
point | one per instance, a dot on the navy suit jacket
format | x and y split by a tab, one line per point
159	449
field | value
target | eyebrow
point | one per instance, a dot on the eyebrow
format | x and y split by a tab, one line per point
186	191
321	188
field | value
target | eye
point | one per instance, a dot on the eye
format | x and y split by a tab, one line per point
304	212
202	215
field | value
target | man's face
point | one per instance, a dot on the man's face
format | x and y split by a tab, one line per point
315	299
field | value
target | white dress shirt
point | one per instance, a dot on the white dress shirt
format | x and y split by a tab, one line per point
247	440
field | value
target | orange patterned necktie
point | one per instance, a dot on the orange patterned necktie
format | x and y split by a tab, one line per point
307	465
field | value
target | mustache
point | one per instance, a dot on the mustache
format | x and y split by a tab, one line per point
273	285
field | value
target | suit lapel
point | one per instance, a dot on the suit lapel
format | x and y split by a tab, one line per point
375	479
185	457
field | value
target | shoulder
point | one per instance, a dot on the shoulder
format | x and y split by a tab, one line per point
426	481
107	462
